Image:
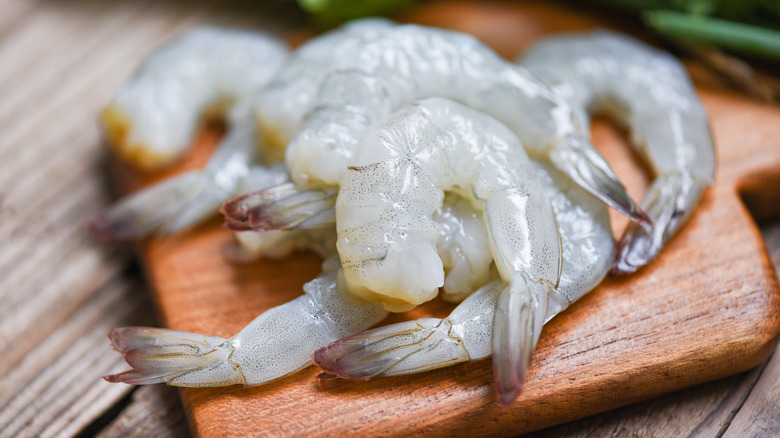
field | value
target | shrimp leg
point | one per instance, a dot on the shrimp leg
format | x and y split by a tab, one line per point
277	343
649	92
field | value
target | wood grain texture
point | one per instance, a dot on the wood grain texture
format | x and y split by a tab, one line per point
706	410
60	290
706	308
154	410
59	61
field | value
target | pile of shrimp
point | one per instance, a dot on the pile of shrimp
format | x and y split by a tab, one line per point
415	161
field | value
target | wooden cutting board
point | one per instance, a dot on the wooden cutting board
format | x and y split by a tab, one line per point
708	307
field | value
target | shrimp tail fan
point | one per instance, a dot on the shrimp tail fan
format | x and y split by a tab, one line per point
281	207
665	202
162	209
174	357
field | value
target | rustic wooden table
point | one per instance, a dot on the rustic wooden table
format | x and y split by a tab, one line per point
61	291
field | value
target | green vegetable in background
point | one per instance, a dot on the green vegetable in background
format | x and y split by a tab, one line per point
329	13
749	27
701	27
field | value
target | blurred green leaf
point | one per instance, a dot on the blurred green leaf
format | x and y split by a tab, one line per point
328	13
745	38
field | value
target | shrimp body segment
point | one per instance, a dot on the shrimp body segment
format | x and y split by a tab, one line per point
396	181
387	236
360	73
650	92
277	343
188	199
465	335
281	340
151	119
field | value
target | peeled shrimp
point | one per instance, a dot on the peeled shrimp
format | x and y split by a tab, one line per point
465	335
386	233
368	69
281	340
275	344
152	118
649	92
190	198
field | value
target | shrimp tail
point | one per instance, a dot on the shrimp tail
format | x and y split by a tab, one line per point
161	209
192	197
281	207
275	344
578	159
174	357
404	348
517	326
669	202
415	346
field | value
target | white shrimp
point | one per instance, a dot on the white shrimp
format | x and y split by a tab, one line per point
387	238
281	340
190	198
649	92
153	117
197	71
277	343
367	69
463	247
465	335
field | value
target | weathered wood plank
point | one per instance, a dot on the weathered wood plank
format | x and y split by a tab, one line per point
760	414
67	56
61	291
48	266
56	389
155	411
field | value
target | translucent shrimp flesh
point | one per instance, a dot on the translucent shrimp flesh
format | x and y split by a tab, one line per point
465	335
281	340
649	92
333	88
188	199
277	343
387	237
151	119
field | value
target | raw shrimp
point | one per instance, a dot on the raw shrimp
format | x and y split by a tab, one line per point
152	118
281	340
143	123
191	197
387	237
465	335
368	69
649	92
275	344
